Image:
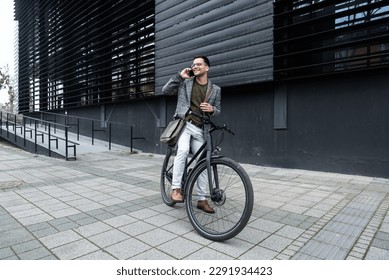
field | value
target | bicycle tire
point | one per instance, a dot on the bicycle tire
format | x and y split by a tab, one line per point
234	206
167	176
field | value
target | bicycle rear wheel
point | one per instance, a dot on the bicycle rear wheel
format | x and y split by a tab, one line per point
232	201
167	177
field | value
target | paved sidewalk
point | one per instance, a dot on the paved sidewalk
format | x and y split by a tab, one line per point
107	205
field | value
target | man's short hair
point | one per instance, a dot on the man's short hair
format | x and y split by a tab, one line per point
206	60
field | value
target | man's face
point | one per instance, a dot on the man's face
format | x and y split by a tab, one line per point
199	67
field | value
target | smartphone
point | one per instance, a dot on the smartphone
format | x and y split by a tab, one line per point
191	74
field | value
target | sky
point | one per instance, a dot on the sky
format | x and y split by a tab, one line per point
6	40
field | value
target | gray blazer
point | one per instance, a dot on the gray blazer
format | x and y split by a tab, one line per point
183	88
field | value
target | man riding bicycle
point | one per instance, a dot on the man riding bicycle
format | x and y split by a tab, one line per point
196	93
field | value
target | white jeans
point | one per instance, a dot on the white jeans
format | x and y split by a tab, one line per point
192	136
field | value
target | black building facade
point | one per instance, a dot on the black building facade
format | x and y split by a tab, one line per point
304	83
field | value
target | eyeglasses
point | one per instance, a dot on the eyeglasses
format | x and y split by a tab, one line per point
197	64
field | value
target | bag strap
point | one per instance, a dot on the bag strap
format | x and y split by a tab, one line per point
209	93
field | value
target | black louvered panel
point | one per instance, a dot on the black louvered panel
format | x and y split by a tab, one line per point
237	37
77	53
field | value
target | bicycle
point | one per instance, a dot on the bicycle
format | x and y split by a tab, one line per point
229	189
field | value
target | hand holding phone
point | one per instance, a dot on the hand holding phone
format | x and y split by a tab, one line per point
187	73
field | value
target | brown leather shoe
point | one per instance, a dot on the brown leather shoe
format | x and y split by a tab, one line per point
177	195
203	205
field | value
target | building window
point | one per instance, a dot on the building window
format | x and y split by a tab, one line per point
321	37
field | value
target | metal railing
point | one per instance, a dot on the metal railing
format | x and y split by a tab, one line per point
91	127
31	125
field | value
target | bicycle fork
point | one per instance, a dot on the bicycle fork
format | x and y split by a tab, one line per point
216	193
208	160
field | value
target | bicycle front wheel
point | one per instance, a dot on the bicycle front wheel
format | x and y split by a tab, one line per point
167	177
232	199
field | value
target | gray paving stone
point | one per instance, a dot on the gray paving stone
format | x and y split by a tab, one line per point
66	226
290	232
194	236
26	246
345	229
352	220
266	225
178	227
13	237
119	212
98	255
232	247
44	217
96	212
59	221
9	224
64	212
152	254
89	206
208	254
160	220
14	257
119	221
381	240
301	256
74	250
156	237
179	247
20	207
336	239
324	251
60	238
92	229
80	216
258	253
127	249
104	216
45	232
35	254
308	223
276	242
253	235
376	253
276	215
382	235
137	228
86	221
6	253
112	208
27	213
108	238
131	207
143	214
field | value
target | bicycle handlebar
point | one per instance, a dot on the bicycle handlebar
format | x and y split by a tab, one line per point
207	120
